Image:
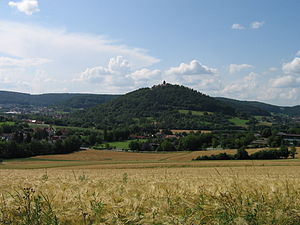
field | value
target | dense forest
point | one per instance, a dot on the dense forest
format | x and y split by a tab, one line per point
60	99
260	108
160	106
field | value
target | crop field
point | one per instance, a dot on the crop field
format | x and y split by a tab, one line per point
194	113
104	159
33	125
7	123
119	144
105	187
238	122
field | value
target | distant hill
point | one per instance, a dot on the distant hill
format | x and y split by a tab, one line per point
87	100
64	99
157	105
260	108
147	102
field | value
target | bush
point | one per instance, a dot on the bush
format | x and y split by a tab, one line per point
266	154
293	152
284	151
241	154
221	156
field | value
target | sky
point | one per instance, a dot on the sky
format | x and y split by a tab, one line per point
246	50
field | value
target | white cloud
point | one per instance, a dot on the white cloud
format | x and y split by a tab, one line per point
292	67
119	76
29	41
146	74
119	64
243	88
256	24
26	6
94	75
292	94
194	75
298	53
282	90
237	26
273	69
117	68
193	68
34	47
234	68
14	62
286	82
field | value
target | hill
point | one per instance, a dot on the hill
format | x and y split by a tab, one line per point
259	108
163	106
63	99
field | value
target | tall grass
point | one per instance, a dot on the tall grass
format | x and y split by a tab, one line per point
151	196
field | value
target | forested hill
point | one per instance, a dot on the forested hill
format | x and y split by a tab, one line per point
159	104
66	99
260	108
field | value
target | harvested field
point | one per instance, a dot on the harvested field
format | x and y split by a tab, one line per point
108	155
105	159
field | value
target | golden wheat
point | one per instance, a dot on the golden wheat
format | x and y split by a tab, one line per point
249	195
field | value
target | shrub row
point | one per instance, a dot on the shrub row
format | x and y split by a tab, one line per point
242	154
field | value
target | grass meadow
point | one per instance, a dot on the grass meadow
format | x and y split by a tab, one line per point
148	188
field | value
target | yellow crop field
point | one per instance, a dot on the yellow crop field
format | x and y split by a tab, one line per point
107	155
148	188
249	195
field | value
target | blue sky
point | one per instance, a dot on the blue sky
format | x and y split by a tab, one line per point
240	49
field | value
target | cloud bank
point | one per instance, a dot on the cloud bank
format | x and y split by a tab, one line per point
62	55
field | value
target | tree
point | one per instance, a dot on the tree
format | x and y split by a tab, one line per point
284	151
293	152
242	154
134	146
71	144
18	137
28	138
167	146
266	132
92	138
215	142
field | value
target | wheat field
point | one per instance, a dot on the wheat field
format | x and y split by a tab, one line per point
208	195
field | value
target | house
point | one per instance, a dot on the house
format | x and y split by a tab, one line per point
290	139
259	143
7	137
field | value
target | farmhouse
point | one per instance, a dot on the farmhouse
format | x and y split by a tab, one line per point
290	139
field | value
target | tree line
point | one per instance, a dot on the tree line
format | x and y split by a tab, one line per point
282	153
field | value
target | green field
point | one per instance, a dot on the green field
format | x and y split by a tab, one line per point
194	113
7	123
64	127
238	122
118	144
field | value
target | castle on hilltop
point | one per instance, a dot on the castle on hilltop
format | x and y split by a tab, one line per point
164	84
